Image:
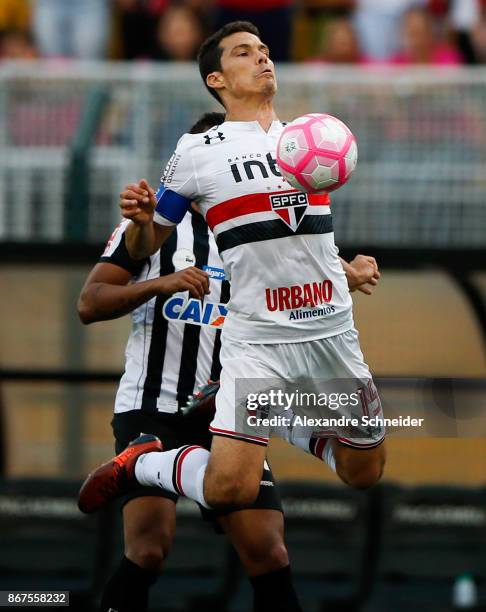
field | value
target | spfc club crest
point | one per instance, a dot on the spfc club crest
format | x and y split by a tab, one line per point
290	207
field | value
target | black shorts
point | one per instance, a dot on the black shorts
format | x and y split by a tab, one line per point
175	430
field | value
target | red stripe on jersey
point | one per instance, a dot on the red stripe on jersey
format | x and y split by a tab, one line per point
319	199
254	203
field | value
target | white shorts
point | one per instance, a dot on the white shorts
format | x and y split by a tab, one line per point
317	368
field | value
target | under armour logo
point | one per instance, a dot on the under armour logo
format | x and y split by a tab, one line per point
208	138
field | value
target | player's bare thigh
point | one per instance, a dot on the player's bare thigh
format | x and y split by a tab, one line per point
359	468
233	473
149	527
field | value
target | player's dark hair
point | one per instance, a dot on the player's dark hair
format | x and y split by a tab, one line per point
209	56
207	121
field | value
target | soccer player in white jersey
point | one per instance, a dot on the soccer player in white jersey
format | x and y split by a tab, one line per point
290	312
170	354
172	351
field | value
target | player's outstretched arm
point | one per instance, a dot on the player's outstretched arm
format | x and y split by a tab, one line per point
107	293
362	273
143	236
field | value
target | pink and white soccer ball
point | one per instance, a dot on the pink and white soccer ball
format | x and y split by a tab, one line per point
317	152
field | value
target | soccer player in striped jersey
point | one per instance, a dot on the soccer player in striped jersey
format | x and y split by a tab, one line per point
290	313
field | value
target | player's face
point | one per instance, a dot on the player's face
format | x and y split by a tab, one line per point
246	66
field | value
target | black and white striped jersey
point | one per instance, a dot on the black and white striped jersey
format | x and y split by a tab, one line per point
174	344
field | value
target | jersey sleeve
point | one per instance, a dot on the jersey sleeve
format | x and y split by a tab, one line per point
116	251
178	185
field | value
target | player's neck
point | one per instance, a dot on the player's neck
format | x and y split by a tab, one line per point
252	110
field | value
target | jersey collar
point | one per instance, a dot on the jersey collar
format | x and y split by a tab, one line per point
252	126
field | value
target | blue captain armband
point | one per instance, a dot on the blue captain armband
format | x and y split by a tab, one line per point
171	205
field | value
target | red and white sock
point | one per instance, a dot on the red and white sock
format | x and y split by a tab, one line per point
322	449
180	471
303	438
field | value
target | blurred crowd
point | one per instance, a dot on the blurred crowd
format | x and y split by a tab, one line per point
327	31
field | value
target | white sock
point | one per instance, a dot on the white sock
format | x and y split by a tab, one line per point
180	471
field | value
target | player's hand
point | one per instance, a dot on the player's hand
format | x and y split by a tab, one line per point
191	279
364	274
138	202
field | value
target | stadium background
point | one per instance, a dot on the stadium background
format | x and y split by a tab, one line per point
79	122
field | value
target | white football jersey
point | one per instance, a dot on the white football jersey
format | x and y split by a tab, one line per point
276	243
173	348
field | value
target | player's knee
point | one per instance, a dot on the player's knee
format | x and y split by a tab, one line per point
277	556
264	556
151	552
239	492
151	559
364	476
